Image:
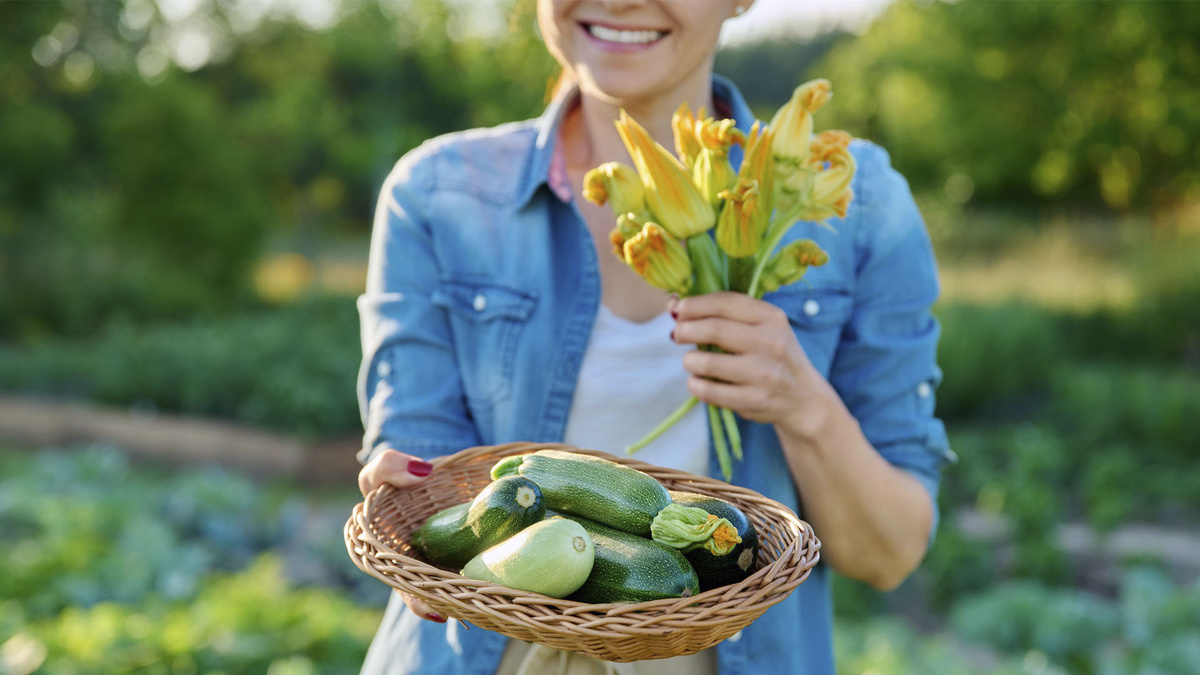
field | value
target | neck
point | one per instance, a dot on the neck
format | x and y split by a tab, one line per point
592	139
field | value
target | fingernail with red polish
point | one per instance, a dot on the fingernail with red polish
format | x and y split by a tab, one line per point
672	335
673	308
435	617
418	468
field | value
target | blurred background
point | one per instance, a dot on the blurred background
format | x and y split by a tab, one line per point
186	189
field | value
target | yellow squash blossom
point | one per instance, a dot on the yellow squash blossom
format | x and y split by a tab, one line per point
683	123
834	168
712	172
660	259
789	264
747	211
793	123
628	226
673	198
615	184
742	222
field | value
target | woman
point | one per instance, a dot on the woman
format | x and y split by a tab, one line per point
491	316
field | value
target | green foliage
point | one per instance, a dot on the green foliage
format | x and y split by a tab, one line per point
290	368
1153	408
995	357
993	91
108	568
888	645
1151	628
147	195
786	59
252	621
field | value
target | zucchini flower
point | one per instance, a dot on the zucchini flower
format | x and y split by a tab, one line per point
683	123
793	124
713	174
676	203
834	168
759	165
615	184
719	136
743	221
712	171
789	264
688	528
628	226
660	259
747	211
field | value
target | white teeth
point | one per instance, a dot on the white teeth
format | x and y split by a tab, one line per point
633	37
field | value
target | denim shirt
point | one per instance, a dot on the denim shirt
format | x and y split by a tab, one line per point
482	290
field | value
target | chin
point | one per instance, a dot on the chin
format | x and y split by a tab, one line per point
623	88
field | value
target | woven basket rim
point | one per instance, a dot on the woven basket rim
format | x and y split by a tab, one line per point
767	585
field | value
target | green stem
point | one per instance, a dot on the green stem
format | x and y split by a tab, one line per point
779	228
706	261
718	434
735	436
664	425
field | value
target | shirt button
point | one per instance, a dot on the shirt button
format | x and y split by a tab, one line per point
385	368
480	303
811	307
924	390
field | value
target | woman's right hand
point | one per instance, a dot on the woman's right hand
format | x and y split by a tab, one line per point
402	471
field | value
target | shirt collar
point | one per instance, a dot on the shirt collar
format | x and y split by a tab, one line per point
547	126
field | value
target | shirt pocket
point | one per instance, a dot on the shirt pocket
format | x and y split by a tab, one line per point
486	320
817	316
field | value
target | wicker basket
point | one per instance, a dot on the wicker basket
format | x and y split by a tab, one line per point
377	539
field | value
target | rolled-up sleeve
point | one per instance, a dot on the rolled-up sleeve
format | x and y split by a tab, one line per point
410	392
885	368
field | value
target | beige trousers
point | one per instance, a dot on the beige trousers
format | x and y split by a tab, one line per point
522	658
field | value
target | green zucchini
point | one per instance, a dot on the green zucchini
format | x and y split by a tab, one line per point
721	570
597	489
506	506
630	568
553	557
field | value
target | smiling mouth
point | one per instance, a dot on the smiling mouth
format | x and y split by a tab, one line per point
625	37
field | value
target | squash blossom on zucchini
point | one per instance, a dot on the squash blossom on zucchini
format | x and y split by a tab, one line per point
687	528
620	497
690	224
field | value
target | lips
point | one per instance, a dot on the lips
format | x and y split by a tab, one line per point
628	37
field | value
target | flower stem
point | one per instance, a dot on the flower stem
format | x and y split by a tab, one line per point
718	434
731	428
663	426
779	228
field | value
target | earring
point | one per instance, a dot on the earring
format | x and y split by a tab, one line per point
739	10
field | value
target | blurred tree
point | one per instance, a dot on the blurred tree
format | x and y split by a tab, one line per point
149	155
1030	102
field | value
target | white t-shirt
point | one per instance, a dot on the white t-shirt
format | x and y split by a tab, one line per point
631	378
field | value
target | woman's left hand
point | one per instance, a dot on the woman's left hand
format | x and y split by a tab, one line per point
764	375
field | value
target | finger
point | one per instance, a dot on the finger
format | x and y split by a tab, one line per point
732	336
418	607
744	400
728	305
729	368
395	468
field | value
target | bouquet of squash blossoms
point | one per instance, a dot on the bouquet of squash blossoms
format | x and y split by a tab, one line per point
689	224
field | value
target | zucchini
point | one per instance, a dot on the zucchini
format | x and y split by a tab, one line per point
630	568
721	570
506	506
597	489
553	557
